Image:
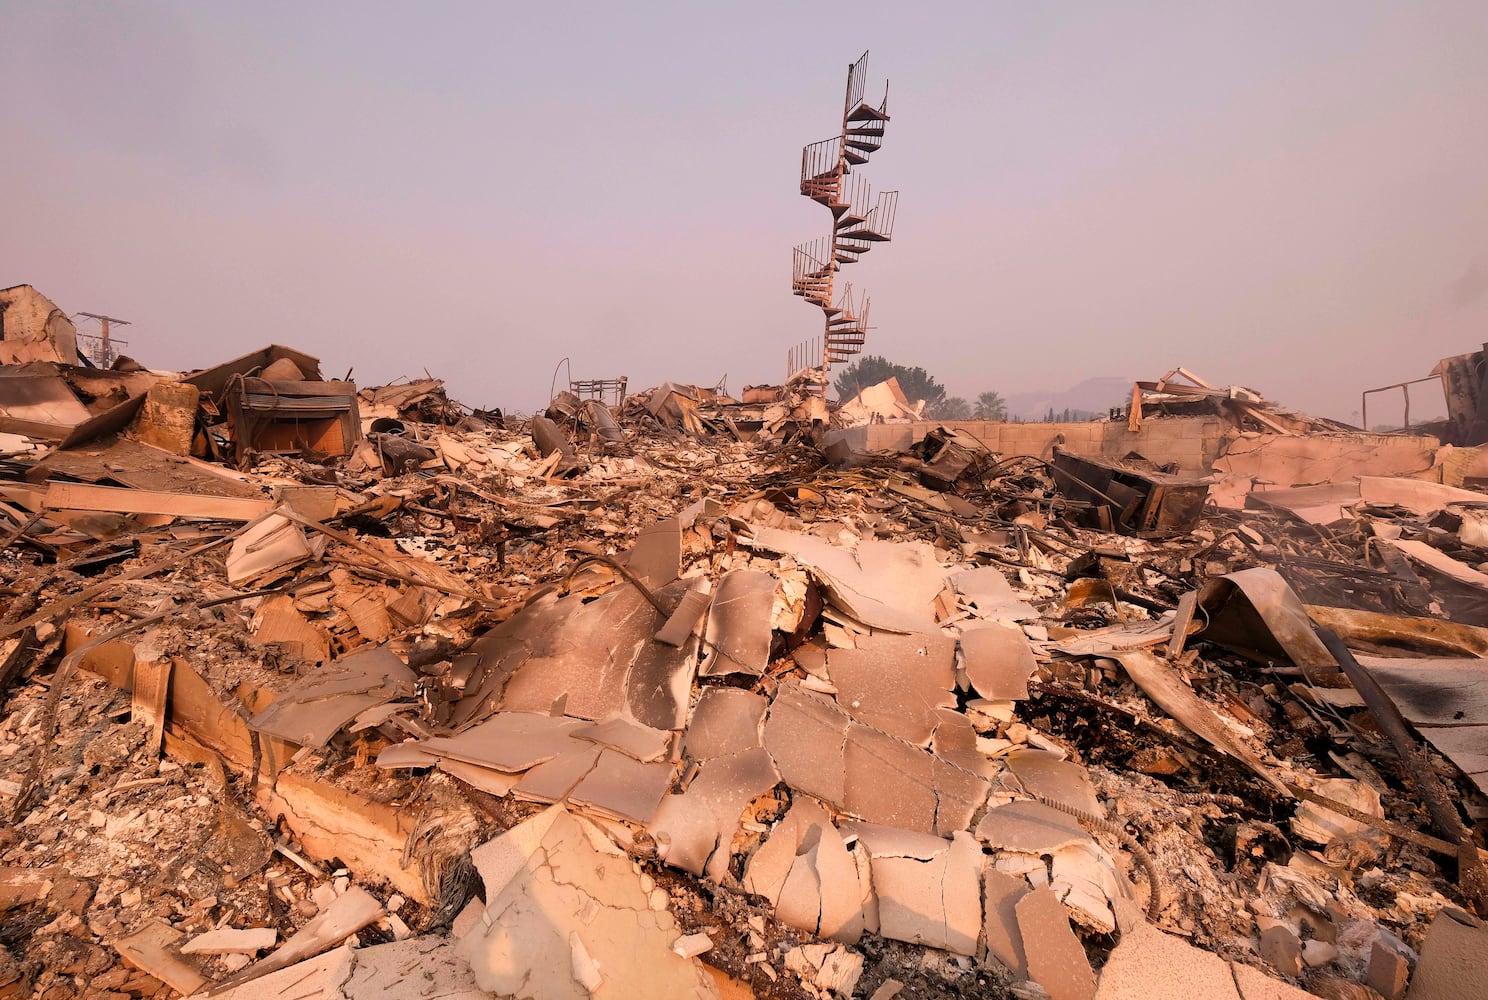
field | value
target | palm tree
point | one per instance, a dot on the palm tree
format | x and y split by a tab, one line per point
991	406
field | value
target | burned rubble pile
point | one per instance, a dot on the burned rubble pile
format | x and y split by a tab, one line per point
312	691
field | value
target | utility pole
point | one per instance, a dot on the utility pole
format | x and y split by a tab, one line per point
105	358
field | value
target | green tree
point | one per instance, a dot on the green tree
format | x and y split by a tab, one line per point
872	369
990	406
950	408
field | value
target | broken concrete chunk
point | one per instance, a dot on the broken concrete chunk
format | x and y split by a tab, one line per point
738	634
896	683
998	661
568	916
1056	961
725	721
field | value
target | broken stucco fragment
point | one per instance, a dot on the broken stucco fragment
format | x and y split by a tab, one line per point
350	912
896	683
883	584
1045	776
888	781
725	721
1151	965
623	787
1001	938
1056	960
827	967
645	744
330	696
986	589
934	899
1029	828
807	873
804	734
738	634
998	661
508	741
567	916
694	828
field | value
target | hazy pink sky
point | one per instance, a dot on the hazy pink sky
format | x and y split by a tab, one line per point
1288	196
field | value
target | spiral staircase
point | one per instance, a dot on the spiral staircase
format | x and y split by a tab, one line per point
859	222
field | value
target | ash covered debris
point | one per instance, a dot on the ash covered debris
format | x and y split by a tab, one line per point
364	691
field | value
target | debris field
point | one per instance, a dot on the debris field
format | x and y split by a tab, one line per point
308	690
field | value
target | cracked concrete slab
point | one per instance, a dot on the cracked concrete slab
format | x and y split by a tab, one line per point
568	916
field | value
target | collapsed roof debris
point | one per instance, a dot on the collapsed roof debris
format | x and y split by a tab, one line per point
366	694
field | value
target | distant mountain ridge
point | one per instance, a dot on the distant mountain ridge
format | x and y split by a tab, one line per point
1094	395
